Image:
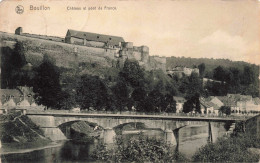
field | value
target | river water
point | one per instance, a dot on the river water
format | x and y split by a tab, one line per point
190	139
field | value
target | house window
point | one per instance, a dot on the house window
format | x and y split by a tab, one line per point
97	36
110	38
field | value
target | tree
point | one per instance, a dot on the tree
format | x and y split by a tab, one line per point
194	86
169	104
46	85
132	73
219	73
92	92
188	106
248	75
235	82
196	102
225	109
139	94
12	73
157	99
18	57
202	69
121	93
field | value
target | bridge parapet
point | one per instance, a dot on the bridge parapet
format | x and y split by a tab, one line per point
130	113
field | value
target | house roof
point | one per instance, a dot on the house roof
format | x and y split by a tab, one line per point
205	103
112	40
16	94
228	101
10	92
245	98
10	102
215	106
24	103
215	101
239	97
34	104
26	90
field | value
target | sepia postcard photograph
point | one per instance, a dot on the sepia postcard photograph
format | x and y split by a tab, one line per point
129	81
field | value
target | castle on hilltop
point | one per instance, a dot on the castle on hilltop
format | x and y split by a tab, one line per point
88	45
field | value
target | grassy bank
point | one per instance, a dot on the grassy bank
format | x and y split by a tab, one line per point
232	149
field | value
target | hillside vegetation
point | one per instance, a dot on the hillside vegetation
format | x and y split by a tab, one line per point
233	76
210	63
59	83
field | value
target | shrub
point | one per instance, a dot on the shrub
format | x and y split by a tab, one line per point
142	149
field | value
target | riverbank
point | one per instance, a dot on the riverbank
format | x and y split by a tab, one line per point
19	133
25	148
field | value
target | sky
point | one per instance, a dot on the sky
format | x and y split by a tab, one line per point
227	29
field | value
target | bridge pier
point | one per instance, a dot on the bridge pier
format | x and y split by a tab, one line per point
24	111
67	132
169	137
54	133
176	134
109	135
211	134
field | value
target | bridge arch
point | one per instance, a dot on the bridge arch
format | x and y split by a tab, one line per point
85	127
114	122
110	121
128	126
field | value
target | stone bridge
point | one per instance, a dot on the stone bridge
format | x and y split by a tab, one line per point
50	123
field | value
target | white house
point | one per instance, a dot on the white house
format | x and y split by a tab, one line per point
179	103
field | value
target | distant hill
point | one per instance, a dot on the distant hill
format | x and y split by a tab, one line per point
210	63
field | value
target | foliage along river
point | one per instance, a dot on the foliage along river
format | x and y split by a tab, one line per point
191	139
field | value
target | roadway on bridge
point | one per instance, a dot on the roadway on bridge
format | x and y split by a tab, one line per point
124	116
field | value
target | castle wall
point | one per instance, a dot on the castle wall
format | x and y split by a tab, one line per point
137	55
19	31
69	55
63	54
156	62
77	41
128	45
95	44
160	59
145	49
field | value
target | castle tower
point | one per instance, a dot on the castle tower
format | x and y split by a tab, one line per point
19	31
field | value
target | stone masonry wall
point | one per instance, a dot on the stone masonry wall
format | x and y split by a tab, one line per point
69	55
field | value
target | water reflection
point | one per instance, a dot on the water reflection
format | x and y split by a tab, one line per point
45	155
190	139
76	152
